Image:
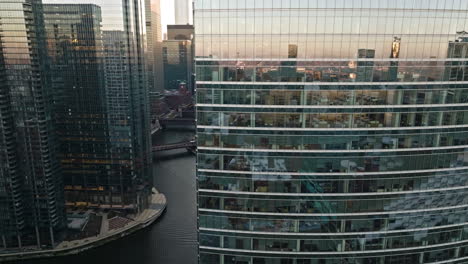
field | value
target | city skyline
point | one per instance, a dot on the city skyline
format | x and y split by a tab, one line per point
76	131
276	131
380	21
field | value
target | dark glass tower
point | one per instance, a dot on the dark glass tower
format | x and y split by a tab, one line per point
317	146
101	99
31	190
74	45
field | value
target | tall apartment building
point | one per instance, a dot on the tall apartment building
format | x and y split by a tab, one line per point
31	190
101	99
332	131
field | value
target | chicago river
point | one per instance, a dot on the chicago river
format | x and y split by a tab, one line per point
173	238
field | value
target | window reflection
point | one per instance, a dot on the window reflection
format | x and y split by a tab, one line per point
357	113
344	120
335	97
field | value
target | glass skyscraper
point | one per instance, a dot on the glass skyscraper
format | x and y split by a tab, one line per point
74	114
74	48
153	57
332	131
31	190
96	51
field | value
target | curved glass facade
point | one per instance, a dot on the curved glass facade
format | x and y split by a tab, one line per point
332	131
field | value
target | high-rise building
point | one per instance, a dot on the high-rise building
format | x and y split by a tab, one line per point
395	54
31	190
101	101
130	177
316	146
74	48
154	64
177	52
182	11
365	68
176	63
458	49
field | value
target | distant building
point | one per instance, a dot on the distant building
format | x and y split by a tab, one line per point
365	68
177	63
32	209
177	54
458	49
180	32
153	58
395	54
292	51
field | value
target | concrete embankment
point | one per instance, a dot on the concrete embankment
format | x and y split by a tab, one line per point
143	220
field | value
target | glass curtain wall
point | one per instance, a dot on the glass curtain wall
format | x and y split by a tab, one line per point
332	131
32	210
97	50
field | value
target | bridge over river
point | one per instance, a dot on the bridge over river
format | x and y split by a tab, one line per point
190	145
177	122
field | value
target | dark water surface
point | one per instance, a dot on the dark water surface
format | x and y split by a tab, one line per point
172	239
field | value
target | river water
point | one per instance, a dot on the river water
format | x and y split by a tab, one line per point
173	238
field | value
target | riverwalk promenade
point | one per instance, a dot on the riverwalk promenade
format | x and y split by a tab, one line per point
111	229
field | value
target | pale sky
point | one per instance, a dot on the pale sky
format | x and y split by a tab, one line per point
167	14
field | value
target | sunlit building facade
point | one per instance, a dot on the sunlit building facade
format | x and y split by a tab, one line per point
332	131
